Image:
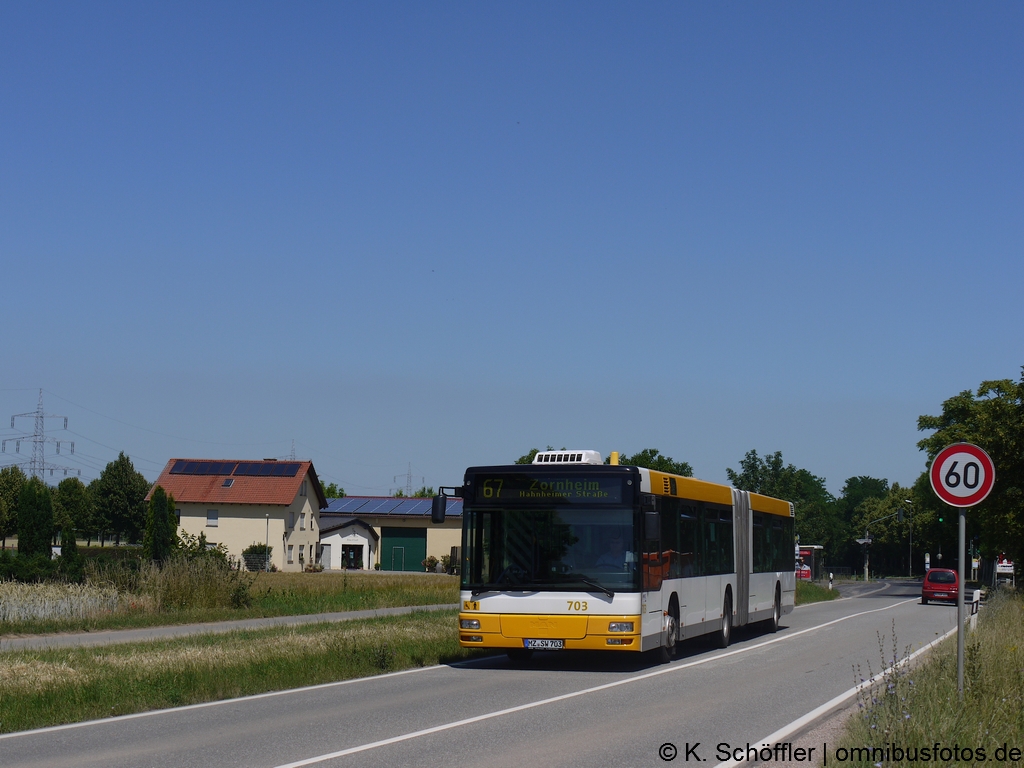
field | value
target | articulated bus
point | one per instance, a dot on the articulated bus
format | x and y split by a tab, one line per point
571	553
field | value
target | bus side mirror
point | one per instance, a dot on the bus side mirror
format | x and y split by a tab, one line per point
438	508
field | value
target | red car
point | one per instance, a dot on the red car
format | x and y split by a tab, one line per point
939	584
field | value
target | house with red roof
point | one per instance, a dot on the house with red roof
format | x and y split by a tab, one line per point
238	503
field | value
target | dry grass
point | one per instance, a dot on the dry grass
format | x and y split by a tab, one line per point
919	707
56	601
197	591
68	685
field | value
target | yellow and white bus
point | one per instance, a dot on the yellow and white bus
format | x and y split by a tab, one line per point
571	553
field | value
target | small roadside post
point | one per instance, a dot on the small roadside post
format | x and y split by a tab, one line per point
961	475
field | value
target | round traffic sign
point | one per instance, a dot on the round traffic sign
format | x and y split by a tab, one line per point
962	475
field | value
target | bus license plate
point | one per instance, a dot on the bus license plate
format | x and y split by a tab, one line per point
544	645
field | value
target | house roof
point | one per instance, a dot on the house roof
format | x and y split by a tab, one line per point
237	481
346	522
363	506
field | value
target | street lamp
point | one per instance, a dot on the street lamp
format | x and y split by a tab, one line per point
266	552
910	558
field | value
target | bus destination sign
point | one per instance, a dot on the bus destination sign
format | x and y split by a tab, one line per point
560	489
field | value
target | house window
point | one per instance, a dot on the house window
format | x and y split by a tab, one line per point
211	518
302	488
302	521
291	553
291	519
177	514
302	553
229	482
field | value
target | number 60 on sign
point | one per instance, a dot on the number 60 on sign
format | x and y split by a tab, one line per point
962	475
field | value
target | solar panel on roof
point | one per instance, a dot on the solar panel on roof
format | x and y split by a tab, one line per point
178	467
191	467
347	504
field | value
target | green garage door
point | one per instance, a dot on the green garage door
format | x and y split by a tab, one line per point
403	549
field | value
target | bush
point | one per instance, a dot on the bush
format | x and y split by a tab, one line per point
429	562
26	568
256	556
199	582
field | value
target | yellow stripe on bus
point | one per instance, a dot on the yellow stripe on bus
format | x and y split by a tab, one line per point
690	488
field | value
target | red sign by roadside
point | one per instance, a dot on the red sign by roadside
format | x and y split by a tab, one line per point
962	475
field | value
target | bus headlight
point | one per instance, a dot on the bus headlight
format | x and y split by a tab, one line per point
469	623
620	626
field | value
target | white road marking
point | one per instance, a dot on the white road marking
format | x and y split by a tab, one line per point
575	694
784	733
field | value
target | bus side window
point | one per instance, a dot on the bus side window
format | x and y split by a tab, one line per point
689	550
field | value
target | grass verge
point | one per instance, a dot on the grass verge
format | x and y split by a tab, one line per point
916	714
273	594
809	592
42	688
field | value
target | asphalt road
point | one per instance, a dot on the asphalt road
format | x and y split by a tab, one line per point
558	710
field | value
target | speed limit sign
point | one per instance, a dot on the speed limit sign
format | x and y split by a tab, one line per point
962	475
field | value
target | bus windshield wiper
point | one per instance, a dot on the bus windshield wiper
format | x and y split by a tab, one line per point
595	585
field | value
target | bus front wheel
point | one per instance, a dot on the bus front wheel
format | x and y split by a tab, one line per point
671	647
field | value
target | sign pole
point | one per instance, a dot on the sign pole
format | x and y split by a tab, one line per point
962	475
960	608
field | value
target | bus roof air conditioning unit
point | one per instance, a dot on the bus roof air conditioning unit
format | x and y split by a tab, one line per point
568	457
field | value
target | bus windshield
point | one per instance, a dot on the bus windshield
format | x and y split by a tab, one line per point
578	548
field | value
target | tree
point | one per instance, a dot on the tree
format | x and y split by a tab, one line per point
993	418
817	517
72	506
70	559
332	491
858	489
35	519
11	481
120	497
879	516
159	538
424	493
651	458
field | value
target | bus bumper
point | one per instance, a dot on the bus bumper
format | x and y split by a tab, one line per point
575	633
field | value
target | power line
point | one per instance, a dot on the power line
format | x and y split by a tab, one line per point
37	464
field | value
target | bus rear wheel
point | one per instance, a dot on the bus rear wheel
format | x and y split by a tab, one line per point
725	633
773	622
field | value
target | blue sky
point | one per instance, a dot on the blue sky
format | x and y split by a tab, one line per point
403	234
